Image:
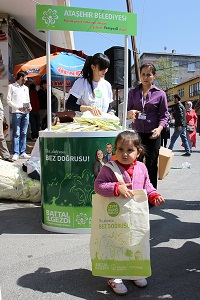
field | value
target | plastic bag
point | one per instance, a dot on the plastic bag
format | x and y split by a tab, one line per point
15	184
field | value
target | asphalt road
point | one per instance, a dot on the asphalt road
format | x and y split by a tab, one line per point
40	265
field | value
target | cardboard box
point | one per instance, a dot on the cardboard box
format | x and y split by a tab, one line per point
165	160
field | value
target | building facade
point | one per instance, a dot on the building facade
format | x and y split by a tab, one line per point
187	65
188	91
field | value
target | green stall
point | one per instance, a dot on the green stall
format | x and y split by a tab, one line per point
67	179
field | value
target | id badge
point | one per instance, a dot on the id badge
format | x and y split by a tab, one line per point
142	116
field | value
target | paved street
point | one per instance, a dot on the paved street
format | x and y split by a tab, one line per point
40	265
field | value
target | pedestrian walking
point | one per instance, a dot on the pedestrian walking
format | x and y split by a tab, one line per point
180	126
191	119
197	110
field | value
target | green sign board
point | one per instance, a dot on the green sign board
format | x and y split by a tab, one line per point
50	17
67	181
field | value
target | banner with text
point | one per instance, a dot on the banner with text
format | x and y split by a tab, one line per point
50	17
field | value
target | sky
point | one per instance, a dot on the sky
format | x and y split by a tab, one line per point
162	26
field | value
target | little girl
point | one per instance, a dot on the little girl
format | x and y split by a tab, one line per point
127	147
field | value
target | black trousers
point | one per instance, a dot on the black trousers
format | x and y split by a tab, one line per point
152	147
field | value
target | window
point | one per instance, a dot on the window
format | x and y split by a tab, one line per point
181	93
191	67
170	97
175	81
176	65
194	89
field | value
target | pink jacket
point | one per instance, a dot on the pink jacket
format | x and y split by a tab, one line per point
105	182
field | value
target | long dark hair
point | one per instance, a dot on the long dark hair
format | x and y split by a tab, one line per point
96	157
99	59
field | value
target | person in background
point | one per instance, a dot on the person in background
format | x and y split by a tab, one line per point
128	147
147	107
18	98
99	162
54	121
54	103
42	96
197	110
34	114
32	165
92	92
165	134
4	152
109	152
191	119
180	126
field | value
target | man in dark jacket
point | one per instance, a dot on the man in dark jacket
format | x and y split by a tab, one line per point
42	96
180	126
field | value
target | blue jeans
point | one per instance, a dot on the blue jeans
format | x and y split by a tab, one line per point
19	125
182	134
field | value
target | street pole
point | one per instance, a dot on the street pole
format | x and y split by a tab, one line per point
48	80
134	48
125	82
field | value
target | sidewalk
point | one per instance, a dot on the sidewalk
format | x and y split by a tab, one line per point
40	265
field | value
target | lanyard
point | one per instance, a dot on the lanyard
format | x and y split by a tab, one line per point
143	102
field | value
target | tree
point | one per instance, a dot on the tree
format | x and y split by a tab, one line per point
166	72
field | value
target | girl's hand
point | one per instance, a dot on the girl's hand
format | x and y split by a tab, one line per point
159	201
124	191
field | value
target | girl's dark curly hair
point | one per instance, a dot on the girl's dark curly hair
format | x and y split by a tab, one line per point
129	136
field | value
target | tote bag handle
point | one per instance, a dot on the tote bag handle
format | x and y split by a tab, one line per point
114	167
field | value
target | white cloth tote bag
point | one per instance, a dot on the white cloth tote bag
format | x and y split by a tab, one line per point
119	244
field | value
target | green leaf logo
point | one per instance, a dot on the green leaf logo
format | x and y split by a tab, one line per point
98	93
113	209
50	17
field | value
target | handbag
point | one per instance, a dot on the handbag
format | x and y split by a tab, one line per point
119	244
190	128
